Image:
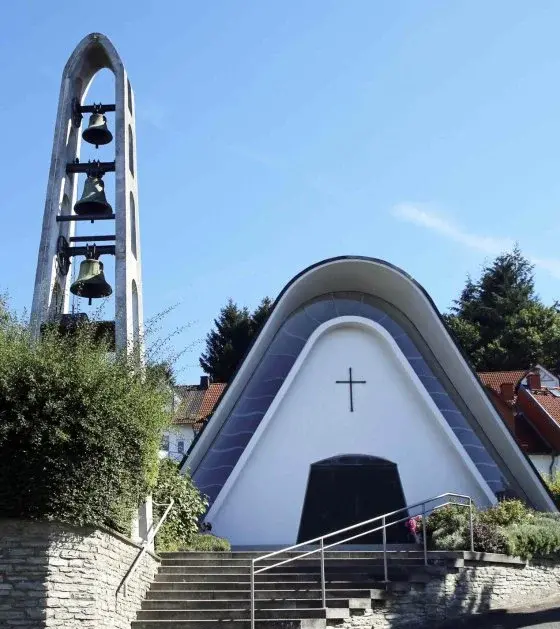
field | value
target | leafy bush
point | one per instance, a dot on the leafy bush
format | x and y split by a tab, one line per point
489	538
553	483
505	513
79	430
208	543
181	525
447	528
528	540
508	527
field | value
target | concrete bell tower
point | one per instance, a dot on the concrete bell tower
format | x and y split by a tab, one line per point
60	246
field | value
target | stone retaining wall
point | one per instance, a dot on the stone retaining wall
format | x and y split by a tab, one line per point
54	575
478	583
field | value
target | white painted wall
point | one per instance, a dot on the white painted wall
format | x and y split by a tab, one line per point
543	461
178	432
309	420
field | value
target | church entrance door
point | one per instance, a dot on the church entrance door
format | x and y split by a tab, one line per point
348	489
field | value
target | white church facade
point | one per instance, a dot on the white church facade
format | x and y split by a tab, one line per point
353	401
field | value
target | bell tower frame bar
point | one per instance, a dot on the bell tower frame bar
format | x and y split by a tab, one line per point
51	294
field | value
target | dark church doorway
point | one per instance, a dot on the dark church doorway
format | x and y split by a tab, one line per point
349	489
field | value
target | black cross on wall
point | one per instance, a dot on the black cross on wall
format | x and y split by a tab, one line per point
351	382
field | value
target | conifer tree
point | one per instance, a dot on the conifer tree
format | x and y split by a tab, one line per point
226	345
500	321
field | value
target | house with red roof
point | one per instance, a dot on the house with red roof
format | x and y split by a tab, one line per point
529	403
192	405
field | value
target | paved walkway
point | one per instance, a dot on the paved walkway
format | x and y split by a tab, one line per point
546	615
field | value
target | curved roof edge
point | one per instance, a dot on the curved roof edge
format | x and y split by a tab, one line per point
384	280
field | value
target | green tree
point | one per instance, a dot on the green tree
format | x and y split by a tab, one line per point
234	330
499	320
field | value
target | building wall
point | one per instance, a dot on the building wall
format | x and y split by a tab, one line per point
309	420
176	434
546	464
54	575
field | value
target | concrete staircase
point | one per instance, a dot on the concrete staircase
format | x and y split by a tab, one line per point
195	590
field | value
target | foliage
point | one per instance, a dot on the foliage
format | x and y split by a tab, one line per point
205	542
500	321
505	513
181	525
508	527
80	429
553	483
540	538
447	528
489	538
227	344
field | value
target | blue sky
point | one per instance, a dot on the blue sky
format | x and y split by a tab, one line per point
275	134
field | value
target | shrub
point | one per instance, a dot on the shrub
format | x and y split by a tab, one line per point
208	543
528	540
447	528
80	430
181	525
505	513
553	483
489	538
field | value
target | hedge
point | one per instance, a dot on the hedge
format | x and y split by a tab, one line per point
79	430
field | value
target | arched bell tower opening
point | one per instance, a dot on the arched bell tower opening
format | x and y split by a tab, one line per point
90	241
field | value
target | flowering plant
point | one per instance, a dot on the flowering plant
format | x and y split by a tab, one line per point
414	525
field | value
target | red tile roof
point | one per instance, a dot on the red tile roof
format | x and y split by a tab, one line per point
549	402
196	402
494	379
211	396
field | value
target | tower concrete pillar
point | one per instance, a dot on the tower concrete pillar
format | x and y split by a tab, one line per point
52	280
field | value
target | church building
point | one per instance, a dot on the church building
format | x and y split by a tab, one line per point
353	401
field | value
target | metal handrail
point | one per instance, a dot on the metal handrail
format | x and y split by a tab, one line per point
383	527
150	536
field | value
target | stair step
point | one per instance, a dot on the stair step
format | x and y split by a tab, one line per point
329	554
294	561
344	565
243	577
280	594
242	614
272	623
364	584
284	603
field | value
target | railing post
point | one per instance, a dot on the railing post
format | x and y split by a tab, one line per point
424	536
385	569
471	524
323	585
252	594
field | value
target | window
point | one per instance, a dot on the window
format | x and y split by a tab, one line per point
133	236
165	443
181	447
130	151
129	99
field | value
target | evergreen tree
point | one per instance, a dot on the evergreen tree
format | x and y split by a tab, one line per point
226	345
499	320
260	315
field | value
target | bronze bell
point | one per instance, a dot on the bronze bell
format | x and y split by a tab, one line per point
91	282
93	199
97	132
